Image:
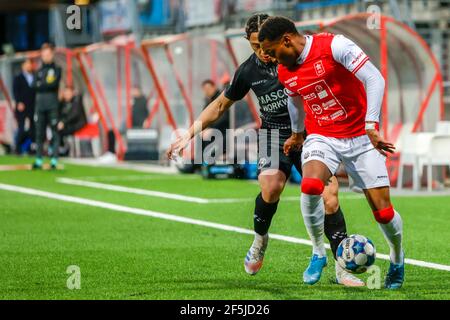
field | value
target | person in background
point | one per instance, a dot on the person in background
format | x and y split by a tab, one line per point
46	113
140	111
71	115
24	95
109	156
211	92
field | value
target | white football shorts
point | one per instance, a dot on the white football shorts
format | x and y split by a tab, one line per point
363	163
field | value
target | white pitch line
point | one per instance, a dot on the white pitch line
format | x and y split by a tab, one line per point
173	196
159	194
117	188
137	178
171	217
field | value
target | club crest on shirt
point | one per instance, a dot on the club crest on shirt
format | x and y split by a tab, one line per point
318	66
50	76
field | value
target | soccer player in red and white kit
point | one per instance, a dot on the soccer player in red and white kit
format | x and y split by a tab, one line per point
339	92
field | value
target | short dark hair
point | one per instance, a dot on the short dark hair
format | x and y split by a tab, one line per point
209	81
275	27
254	23
48	45
27	59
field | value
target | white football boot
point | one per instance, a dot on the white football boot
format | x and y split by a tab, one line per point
346	278
255	255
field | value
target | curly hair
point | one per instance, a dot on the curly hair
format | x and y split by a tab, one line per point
254	23
275	27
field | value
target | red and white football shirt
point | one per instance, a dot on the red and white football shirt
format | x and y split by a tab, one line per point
335	100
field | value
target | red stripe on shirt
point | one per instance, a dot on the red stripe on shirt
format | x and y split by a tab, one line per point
360	65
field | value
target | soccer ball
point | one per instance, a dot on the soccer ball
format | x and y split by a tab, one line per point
356	253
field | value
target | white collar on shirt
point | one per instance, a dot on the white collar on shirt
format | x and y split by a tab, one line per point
306	49
28	76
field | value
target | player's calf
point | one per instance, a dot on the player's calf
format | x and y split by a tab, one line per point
313	212
391	225
263	214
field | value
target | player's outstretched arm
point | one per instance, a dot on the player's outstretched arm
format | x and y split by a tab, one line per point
208	116
297	115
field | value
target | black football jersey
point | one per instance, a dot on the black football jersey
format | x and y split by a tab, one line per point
263	80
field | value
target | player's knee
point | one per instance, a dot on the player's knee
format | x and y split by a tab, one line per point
271	192
385	215
312	186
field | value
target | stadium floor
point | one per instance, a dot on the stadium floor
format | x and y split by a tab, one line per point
138	235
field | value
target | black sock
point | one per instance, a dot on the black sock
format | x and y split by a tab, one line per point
335	229
263	214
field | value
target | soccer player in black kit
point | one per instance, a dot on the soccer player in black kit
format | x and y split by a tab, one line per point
259	73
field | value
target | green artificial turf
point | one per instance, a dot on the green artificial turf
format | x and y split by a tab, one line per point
127	256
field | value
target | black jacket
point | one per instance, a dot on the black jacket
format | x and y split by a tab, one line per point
72	115
140	111
24	93
47	86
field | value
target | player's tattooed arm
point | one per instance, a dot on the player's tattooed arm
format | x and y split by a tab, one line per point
297	115
208	116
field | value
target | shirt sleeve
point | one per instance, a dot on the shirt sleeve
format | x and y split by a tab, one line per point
374	83
296	113
353	58
239	86
347	53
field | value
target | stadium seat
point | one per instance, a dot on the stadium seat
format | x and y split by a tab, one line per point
443	128
437	155
413	156
91	133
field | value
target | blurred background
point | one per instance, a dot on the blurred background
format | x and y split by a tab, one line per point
138	70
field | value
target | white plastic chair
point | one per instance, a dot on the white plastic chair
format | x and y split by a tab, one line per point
443	128
438	155
414	152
